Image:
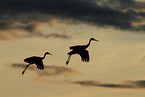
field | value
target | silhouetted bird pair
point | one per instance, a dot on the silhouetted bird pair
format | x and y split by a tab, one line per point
79	49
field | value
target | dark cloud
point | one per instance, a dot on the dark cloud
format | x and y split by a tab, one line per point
64	36
125	84
28	15
55	71
54	35
49	70
117	3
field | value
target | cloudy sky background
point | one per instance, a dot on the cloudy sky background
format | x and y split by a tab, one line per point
25	18
32	27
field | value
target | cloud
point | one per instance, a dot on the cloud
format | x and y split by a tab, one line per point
54	35
56	71
49	71
28	15
64	36
117	3
125	84
26	25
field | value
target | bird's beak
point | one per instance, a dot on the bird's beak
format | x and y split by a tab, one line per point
50	54
97	40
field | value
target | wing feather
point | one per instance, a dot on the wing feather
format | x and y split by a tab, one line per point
84	55
40	65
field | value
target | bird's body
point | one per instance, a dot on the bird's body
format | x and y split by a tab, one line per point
80	50
77	47
38	61
32	59
35	60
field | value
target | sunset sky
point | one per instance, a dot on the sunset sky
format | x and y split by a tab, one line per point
32	27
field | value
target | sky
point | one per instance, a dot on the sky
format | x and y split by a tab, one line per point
32	27
24	18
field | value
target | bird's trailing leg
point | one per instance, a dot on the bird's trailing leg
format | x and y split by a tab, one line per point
25	68
68	60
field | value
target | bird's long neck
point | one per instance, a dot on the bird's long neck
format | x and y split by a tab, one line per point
44	56
88	44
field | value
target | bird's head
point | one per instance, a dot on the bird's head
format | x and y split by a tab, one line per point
48	53
94	39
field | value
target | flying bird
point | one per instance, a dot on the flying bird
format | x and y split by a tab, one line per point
38	61
80	50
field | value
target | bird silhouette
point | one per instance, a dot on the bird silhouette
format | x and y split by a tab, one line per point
35	60
80	50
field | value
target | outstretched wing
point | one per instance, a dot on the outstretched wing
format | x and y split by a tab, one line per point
40	65
84	55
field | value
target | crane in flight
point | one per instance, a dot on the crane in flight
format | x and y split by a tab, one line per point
80	50
38	61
